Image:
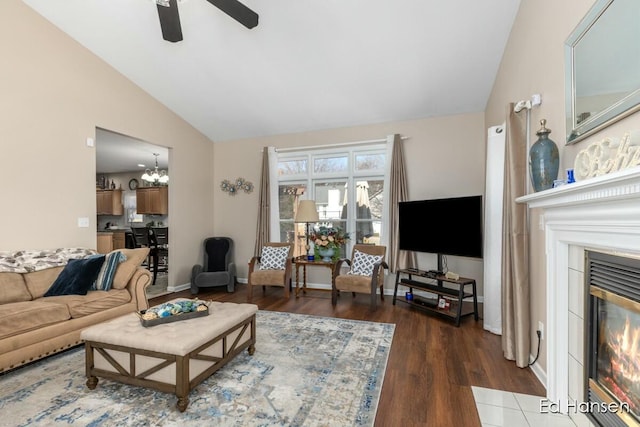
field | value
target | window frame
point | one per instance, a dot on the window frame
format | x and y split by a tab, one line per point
351	176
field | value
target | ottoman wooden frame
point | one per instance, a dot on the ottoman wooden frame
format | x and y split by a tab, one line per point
122	362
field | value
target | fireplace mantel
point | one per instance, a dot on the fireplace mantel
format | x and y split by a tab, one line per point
601	213
624	184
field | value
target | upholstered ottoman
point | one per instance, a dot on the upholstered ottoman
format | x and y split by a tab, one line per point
172	357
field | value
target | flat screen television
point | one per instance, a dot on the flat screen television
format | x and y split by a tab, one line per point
451	226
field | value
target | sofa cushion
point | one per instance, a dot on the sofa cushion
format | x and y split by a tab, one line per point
125	269
13	288
39	282
19	317
77	277
108	271
268	277
92	302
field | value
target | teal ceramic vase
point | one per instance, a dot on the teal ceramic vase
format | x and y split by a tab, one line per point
544	160
326	254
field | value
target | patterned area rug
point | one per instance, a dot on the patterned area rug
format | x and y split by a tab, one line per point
306	371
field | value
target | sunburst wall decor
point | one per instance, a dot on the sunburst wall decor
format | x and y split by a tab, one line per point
240	184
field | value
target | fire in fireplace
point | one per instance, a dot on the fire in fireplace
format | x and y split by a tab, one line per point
613	345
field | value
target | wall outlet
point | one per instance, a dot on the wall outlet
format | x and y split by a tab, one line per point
541	329
83	222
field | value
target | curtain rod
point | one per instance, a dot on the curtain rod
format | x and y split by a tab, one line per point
338	144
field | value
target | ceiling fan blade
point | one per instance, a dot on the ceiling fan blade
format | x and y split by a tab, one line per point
237	11
170	21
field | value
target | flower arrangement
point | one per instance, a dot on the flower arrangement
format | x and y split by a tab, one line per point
324	238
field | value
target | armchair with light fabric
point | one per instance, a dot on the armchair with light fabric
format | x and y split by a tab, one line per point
365	275
272	268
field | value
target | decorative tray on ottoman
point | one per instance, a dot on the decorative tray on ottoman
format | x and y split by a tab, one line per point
173	312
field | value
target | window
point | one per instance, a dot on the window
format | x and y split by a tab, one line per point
327	176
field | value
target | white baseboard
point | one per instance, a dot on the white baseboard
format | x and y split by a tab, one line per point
538	372
178	288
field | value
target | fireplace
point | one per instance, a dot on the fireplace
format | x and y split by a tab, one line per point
612	359
598	214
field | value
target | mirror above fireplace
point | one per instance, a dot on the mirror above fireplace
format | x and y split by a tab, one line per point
602	68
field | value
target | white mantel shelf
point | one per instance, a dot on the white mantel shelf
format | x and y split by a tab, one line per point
624	184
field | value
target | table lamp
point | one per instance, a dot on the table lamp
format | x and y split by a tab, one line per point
307	213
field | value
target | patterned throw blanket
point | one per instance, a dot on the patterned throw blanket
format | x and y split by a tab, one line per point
33	260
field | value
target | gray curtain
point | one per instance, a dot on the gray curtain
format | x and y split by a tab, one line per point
515	245
398	192
264	216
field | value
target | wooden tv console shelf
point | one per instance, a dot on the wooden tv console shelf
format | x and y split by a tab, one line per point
435	284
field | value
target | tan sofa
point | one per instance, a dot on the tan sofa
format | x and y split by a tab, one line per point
33	326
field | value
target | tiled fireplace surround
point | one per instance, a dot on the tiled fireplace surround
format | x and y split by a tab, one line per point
601	213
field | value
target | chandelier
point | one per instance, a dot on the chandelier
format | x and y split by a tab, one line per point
156	177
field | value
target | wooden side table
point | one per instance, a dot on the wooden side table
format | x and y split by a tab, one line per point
302	261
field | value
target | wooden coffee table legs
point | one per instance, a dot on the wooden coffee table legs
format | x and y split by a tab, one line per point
101	361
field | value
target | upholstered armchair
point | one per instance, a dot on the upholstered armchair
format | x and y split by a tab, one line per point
218	268
272	268
365	275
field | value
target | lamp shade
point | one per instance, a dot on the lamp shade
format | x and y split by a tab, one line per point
307	211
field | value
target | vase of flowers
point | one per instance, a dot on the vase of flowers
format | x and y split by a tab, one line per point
327	242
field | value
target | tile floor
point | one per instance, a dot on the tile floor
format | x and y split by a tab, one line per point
502	408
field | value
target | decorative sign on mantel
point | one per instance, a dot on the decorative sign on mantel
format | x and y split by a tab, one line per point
608	155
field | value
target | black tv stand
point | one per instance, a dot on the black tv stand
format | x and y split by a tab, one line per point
435	283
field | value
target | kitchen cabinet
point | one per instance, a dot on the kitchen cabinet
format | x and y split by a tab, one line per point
109	202
108	241
104	243
152	200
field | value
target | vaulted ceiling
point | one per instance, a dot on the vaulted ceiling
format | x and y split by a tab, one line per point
308	65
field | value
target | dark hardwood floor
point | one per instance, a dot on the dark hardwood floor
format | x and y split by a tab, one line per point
432	364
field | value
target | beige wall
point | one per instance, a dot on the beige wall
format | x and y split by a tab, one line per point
53	94
534	63
444	156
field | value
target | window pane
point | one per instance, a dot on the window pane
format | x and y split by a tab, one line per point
369	211
368	232
288	198
295	233
292	167
370	161
330	164
286	231
330	198
374	196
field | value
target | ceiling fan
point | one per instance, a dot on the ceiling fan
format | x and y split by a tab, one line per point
170	19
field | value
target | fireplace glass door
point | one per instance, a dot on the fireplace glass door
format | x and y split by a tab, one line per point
613	348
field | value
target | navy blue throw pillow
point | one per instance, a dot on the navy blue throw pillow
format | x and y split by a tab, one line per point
77	276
